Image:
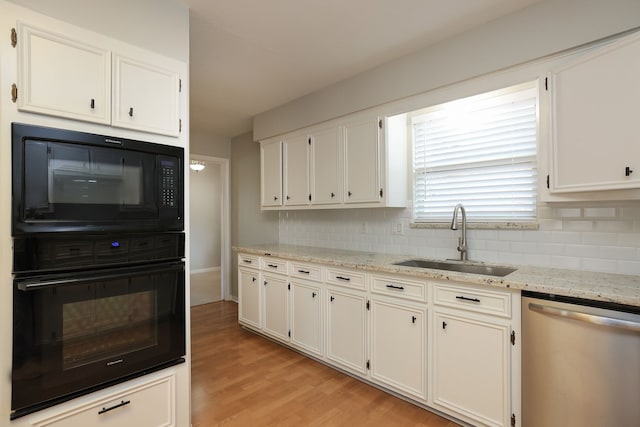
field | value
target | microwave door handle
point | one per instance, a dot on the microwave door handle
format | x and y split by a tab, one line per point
37	284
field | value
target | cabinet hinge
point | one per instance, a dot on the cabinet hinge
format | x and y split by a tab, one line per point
14	37
513	420
547	181
368	365
368	305
380	123
14	93
546	83
180	85
179	125
513	337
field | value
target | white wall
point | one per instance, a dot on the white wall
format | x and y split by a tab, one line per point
204	220
209	145
542	29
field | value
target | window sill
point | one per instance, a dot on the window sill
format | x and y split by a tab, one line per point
479	225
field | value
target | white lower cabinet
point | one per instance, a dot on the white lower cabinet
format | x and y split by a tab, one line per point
346	329
249	296
306	316
399	347
151	404
275	311
471	367
445	345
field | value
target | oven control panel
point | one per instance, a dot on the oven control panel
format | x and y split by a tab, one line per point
168	183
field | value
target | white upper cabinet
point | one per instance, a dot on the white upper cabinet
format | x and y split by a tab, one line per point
62	77
271	173
595	131
145	97
326	183
65	77
295	151
362	160
348	165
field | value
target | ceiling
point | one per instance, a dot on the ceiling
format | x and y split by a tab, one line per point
249	56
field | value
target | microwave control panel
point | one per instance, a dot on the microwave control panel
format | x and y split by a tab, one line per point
168	183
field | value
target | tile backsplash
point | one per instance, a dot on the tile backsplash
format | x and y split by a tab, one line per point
589	237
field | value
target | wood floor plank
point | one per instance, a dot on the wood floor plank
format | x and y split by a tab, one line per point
240	379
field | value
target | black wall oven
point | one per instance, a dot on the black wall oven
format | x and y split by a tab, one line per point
98	263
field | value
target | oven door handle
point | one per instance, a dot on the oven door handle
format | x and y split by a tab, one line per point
33	284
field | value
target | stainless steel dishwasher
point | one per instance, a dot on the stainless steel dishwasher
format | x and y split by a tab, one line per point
580	363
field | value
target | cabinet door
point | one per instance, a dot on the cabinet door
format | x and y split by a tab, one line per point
362	160
63	77
295	151
276	306
306	317
346	330
145	97
595	127
326	175
249	307
271	173
398	347
471	368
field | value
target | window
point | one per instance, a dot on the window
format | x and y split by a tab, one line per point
479	151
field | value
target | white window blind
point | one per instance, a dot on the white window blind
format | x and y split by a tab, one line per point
478	151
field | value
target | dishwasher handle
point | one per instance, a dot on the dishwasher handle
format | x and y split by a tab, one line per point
584	317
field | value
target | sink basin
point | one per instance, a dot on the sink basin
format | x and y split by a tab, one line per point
489	270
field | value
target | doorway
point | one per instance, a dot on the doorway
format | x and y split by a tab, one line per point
209	241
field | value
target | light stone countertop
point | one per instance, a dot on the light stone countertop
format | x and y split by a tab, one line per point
617	288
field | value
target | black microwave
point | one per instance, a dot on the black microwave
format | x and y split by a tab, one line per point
69	181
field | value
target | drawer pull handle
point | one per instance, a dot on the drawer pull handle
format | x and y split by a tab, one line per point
122	403
401	288
248	261
468	299
346	279
304	272
272	265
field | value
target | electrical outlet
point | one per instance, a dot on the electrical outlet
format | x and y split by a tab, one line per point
397	228
363	228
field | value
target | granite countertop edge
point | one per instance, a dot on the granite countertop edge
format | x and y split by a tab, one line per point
615	288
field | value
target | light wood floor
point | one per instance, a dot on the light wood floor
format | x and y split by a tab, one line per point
241	379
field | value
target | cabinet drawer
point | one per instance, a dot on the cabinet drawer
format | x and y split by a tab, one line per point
348	278
151	404
275	265
473	299
306	271
249	261
399	287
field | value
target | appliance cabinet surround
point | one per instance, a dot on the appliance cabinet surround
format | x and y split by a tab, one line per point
64	77
443	345
346	163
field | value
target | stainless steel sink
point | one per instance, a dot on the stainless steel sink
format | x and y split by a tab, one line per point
489	270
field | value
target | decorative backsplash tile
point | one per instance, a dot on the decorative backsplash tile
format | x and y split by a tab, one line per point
590	237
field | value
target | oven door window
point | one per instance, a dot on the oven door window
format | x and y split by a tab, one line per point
77	332
66	181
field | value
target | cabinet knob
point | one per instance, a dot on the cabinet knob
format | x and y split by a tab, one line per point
265	283
131	112
275	198
332	298
628	171
444	325
93	104
413	319
288	198
349	193
254	279
333	195
313	294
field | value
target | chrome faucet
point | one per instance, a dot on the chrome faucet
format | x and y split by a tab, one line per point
462	240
